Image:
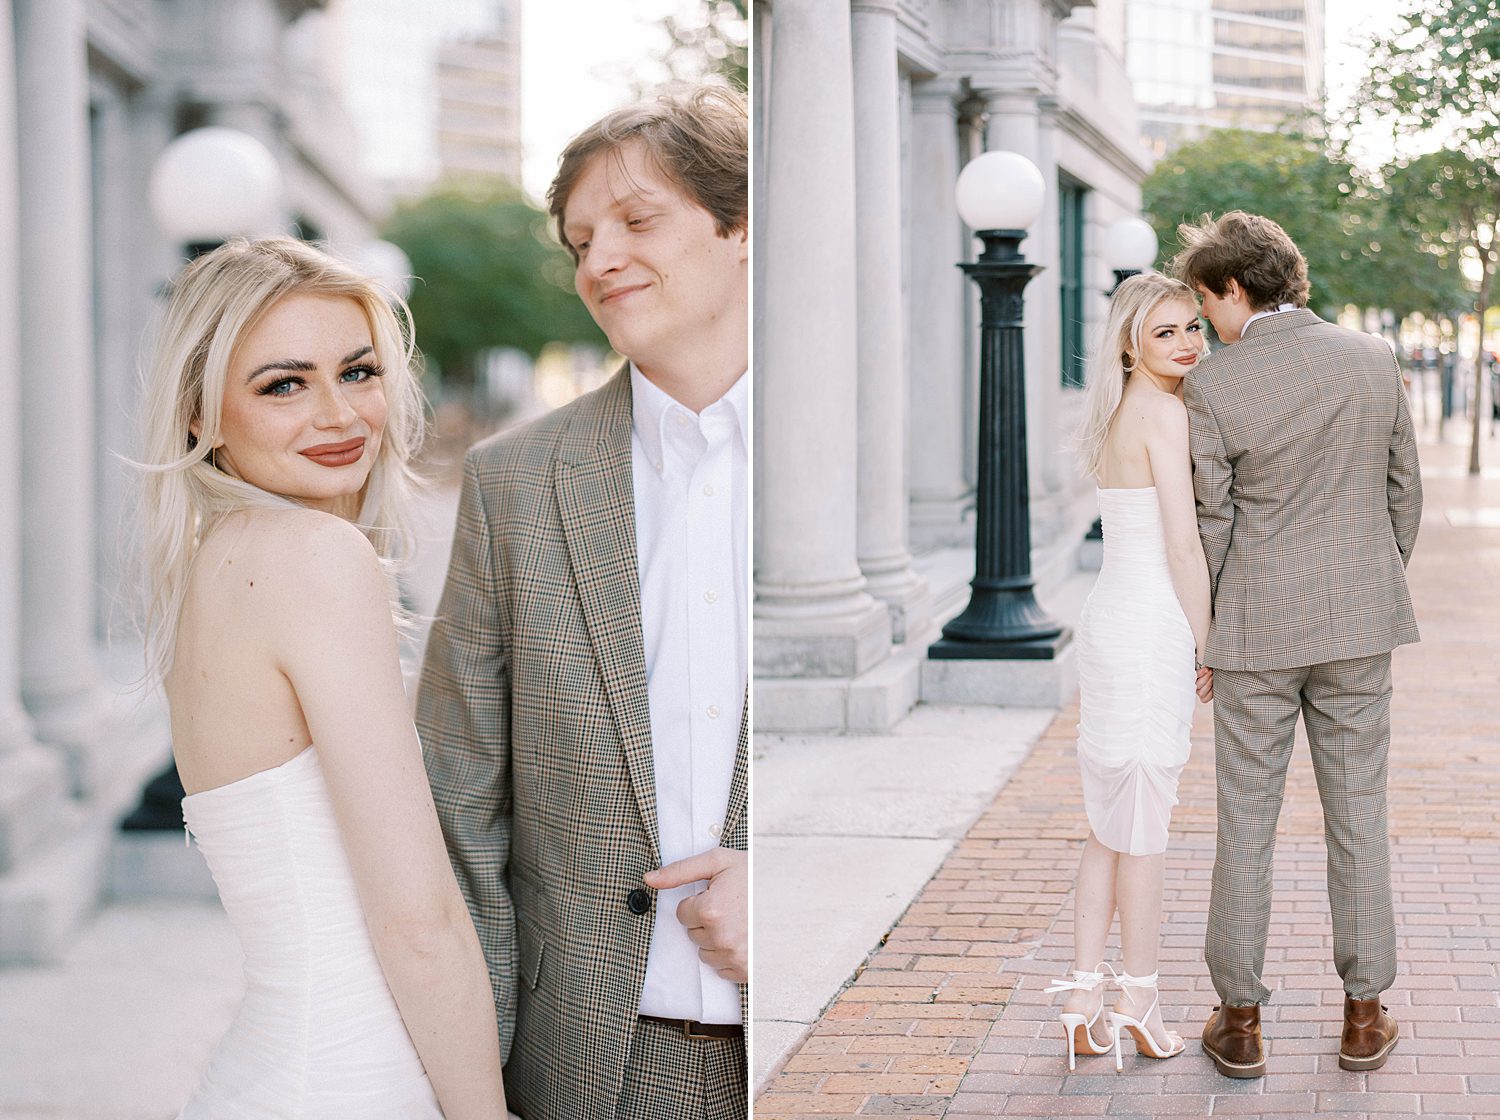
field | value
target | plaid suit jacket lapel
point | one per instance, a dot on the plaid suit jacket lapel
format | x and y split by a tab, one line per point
596	501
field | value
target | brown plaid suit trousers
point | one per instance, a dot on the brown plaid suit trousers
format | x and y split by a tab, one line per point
1309	498
536	732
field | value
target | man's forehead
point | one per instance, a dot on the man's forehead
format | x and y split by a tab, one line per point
621	176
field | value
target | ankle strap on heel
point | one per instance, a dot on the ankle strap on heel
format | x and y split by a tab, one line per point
1125	980
1081	982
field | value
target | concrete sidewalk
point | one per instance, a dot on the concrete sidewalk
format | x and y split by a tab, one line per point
946	1017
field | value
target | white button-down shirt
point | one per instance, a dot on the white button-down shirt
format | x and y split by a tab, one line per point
691	520
1264	314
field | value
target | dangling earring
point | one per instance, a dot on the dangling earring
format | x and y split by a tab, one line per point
1128	367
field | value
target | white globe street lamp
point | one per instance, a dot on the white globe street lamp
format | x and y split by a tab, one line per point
999	195
999	190
214	183
1128	248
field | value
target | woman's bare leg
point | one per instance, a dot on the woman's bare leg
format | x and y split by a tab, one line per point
1093	913
1138	887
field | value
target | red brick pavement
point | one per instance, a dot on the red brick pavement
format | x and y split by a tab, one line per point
948	1017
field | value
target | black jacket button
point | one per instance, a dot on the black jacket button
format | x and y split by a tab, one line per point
638	901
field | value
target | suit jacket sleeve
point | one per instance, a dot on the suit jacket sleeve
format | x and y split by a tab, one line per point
463	717
1212	475
1403	480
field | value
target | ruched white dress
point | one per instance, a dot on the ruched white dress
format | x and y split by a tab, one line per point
318	1035
1136	681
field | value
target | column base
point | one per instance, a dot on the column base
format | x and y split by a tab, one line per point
33	798
905	596
822	645
935	523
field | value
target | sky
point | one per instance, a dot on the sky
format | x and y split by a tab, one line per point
1346	22
577	62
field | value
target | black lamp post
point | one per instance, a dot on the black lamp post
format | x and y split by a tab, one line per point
999	194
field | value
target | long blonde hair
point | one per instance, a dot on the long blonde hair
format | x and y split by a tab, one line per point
1111	363
215	300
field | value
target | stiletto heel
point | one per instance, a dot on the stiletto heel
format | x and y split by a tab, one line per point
1080	1030
1145	1042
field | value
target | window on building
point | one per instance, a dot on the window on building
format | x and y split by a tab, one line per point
1070	195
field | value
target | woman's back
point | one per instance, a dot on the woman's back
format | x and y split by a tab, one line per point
234	712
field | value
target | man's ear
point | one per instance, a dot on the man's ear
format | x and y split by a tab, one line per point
1232	290
745	242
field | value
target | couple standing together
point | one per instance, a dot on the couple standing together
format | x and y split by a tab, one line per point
554	876
1259	507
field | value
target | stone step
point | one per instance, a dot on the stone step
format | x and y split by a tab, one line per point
45	899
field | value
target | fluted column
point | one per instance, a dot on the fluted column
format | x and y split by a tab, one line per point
813	616
33	781
60	678
883	555
941	494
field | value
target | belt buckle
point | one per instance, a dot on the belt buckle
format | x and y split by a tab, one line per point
687	1030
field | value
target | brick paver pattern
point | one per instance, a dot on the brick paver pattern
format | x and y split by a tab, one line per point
948	1017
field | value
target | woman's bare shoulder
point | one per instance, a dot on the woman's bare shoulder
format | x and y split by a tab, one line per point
280	558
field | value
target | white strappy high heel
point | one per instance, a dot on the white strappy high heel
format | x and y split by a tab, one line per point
1145	1042
1080	1030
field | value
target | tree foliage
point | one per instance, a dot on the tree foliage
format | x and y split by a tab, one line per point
710	39
1435	82
1345	228
488	274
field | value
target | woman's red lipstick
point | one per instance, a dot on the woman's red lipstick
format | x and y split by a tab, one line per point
337	454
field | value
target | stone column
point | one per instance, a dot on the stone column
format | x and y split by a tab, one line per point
60	678
942	498
33	782
883	556
813	617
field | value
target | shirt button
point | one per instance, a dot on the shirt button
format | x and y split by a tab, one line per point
638	901
710	597
682	421
713	711
716	830
708	491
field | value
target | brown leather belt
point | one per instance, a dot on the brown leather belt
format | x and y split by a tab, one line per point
700	1030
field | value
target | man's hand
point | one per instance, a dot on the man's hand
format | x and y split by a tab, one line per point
1205	684
718	918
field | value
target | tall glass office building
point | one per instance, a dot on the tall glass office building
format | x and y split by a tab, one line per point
1202	64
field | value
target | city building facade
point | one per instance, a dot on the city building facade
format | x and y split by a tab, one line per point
1198	65
91	92
866	331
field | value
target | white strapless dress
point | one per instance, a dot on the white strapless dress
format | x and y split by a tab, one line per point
1136	681
318	1035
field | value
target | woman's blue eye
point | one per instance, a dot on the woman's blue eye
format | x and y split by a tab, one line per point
282	388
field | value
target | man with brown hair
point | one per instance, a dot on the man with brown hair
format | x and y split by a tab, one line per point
1309	497
582	701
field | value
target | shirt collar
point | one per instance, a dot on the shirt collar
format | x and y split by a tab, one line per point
650	407
1266	314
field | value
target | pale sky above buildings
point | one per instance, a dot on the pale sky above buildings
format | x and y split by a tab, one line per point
578	60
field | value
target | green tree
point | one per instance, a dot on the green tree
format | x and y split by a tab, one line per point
710	39
1436	77
488	274
1317	197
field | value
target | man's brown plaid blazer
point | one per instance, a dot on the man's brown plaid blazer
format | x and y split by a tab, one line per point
1309	496
537	735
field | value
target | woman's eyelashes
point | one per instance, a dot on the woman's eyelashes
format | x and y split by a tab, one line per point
284	386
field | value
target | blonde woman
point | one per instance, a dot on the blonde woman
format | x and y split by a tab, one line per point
1141	637
281	411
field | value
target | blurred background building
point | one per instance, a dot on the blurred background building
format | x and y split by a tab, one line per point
1203	64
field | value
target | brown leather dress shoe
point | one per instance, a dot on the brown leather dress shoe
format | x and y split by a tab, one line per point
1232	1039
1369	1034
